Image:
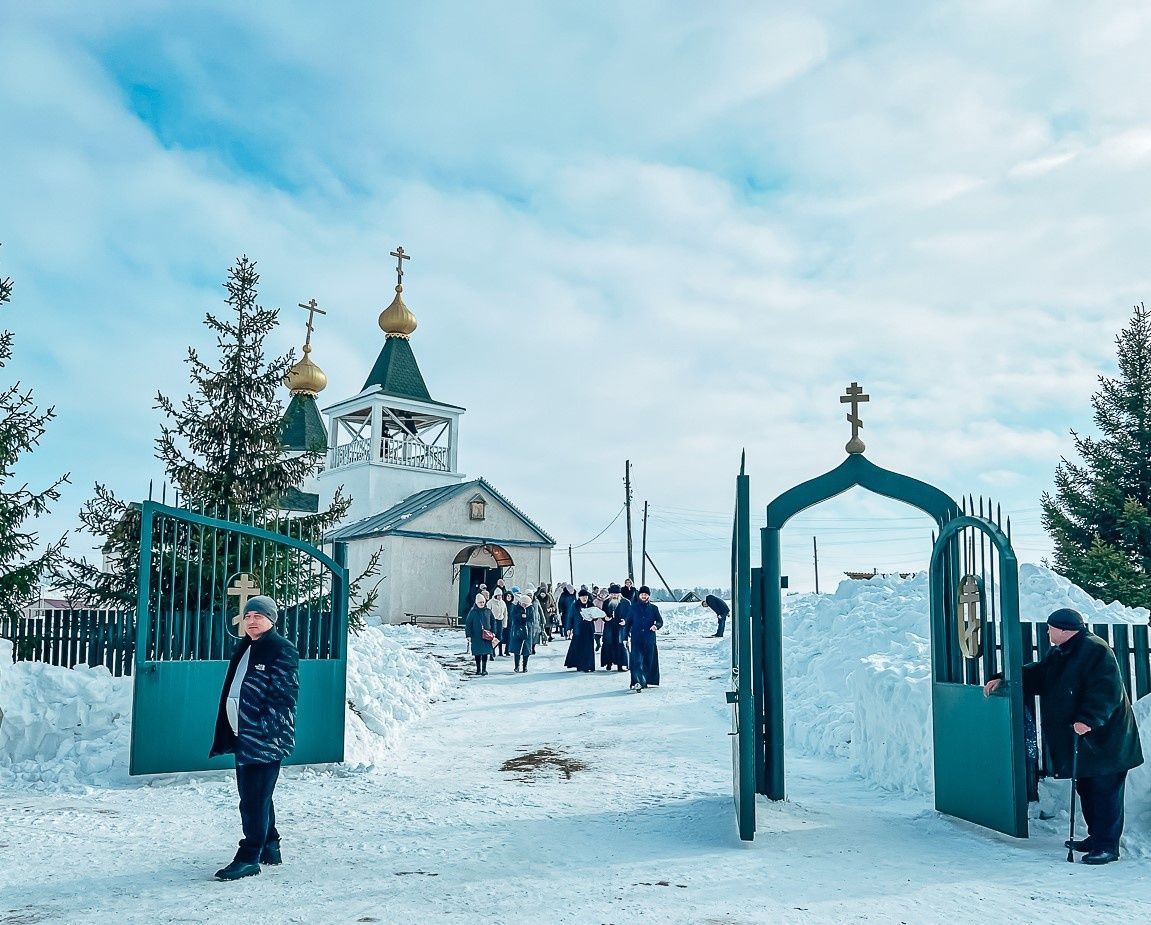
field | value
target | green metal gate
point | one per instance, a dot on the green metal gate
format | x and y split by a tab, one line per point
980	751
196	574
742	696
980	756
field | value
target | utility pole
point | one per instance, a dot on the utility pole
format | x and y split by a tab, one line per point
815	550
643	552
571	568
661	578
627	504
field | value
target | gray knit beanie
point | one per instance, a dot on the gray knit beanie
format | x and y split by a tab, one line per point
263	605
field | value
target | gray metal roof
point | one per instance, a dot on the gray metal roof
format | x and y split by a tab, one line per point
399	515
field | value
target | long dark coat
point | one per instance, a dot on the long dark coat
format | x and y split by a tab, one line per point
1079	682
564	609
613	651
581	651
268	694
521	629
478	620
644	650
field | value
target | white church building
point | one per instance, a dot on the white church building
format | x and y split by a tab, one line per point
394	451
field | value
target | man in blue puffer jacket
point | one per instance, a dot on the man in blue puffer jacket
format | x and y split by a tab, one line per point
256	722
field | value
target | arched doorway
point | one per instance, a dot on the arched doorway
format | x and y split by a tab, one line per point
964	722
483	563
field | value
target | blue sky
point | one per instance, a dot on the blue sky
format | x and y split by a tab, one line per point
648	230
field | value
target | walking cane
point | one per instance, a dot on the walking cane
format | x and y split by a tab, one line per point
1074	774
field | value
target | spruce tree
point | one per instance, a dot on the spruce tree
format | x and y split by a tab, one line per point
221	448
1099	516
21	427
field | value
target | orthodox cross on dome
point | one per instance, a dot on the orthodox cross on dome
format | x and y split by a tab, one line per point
400	256
313	309
855	397
245	589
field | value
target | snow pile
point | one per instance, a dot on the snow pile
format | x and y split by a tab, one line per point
389	686
857	670
66	729
62	728
828	637
689	620
1042	591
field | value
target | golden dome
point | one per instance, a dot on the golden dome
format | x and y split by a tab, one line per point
306	377
397	319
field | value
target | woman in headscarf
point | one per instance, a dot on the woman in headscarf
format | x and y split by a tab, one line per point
581	652
504	631
479	620
499	612
521	630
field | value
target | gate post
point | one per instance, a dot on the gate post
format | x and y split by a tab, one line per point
772	661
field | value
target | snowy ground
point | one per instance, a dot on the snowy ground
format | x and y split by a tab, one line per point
642	830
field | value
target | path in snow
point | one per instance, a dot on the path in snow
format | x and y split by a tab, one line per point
644	834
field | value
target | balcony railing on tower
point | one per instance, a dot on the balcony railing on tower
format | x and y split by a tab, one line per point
397	451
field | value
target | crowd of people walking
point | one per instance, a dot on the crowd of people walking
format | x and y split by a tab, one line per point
615	626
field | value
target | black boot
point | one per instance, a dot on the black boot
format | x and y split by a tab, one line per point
517	667
271	853
484	664
525	668
479	671
1101	856
238	869
1080	844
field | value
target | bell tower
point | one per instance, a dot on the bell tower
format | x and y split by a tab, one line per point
392	439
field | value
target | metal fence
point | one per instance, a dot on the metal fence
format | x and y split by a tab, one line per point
68	638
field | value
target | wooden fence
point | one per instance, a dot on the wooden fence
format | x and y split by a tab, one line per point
74	637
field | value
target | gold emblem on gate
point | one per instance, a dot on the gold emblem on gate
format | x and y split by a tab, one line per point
970	622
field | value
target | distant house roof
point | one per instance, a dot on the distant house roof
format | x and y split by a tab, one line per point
397	516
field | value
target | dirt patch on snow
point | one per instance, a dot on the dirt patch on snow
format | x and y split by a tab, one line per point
542	759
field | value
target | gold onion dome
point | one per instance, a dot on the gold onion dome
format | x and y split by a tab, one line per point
397	319
306	377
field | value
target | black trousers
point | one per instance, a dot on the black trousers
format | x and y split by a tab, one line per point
256	783
1102	801
722	623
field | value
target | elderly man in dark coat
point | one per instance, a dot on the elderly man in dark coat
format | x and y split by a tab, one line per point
613	651
643	619
1081	694
256	721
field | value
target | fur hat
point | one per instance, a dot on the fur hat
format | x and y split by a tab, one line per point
613	588
644	589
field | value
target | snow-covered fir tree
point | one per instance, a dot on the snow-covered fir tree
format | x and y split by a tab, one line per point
1100	513
22	425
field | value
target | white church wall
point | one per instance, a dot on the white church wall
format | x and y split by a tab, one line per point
453	517
374	488
420	575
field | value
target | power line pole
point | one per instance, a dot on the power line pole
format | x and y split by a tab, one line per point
627	504
815	550
643	552
571	568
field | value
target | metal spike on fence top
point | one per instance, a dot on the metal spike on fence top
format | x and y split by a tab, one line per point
164	493
981	505
999	515
963	505
743	462
149	489
1009	528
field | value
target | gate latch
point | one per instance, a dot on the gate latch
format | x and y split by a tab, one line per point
732	696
